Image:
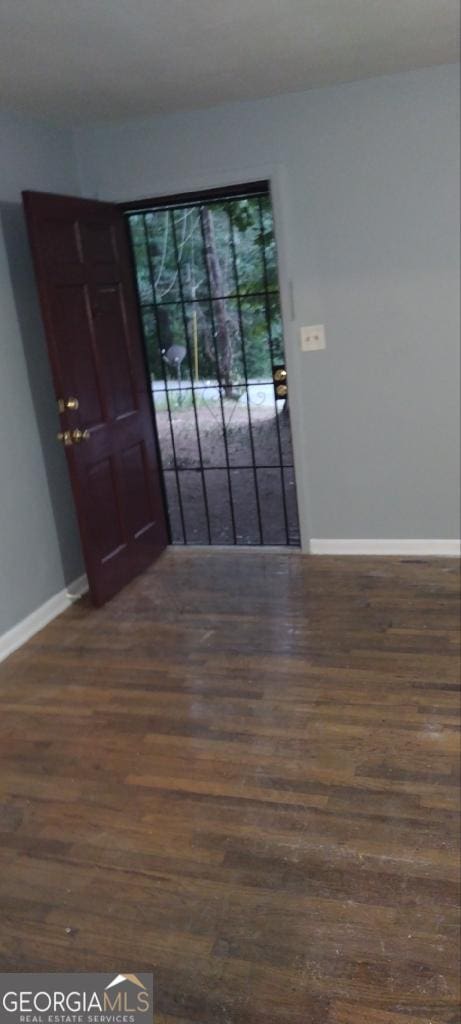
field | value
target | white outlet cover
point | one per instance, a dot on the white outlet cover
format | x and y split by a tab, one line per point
312	338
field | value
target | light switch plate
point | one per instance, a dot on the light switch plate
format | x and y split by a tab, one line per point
312	338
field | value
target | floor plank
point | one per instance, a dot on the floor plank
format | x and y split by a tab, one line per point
243	774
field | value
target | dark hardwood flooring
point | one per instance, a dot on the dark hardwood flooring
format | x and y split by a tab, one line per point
241	774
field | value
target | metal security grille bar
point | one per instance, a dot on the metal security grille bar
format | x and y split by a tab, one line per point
233	483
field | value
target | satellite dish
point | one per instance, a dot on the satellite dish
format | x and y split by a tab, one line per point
175	355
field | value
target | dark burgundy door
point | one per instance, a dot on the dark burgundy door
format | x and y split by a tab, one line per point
82	266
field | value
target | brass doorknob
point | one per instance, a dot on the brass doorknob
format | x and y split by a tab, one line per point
68	403
69	437
281	390
65	437
80	435
280	374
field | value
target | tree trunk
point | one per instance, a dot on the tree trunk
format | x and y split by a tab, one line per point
221	320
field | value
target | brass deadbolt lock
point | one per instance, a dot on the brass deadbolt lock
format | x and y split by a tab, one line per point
68	403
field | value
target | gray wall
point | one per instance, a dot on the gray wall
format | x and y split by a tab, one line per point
367	179
366	194
39	547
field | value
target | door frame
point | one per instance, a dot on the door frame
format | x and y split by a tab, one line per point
224	183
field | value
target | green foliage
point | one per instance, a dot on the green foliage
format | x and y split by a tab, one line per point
175	291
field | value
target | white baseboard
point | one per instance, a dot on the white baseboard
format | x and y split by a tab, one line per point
405	547
19	634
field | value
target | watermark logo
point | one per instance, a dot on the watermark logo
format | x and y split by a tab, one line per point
76	999
125	977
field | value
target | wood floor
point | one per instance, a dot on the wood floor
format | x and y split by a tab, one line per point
241	774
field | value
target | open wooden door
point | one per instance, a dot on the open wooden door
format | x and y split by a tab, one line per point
82	265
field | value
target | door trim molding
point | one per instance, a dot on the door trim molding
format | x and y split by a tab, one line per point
242	189
407	546
38	619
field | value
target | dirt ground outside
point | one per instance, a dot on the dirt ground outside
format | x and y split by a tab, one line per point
256	496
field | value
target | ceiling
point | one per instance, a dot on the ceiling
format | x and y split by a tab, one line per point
80	60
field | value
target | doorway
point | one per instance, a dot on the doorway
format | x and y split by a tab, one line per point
208	292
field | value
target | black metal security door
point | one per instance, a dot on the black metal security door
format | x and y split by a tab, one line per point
206	271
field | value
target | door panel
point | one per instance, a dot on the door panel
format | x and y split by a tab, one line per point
76	357
109	329
89	309
107	535
136	495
